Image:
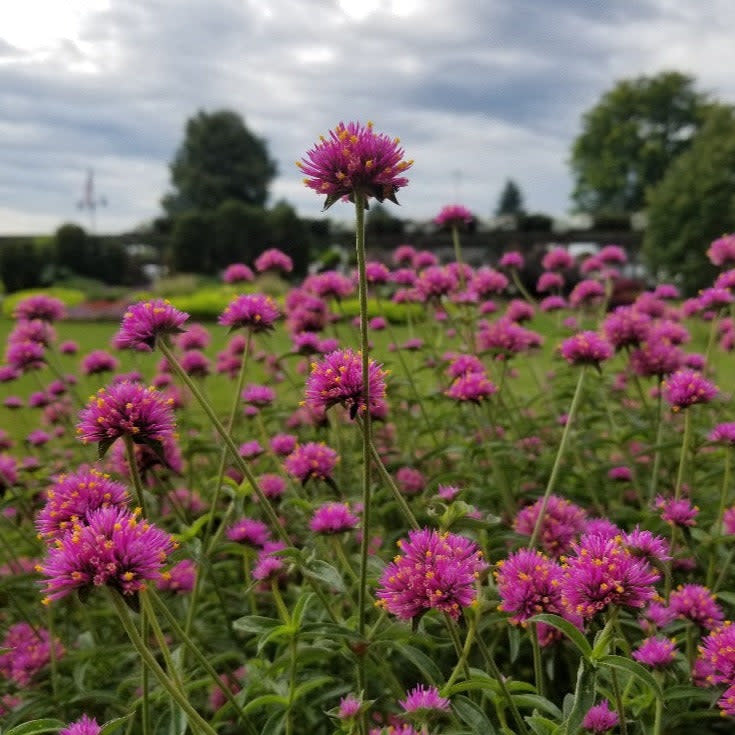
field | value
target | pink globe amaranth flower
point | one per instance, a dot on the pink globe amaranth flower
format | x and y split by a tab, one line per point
563	521
257	312
686	388
38	437
669	331
600	718
404	254
488	281
337	379
311	460
696	603
196	337
694	361
8	373
602	572
99	361
40	306
666	291
69	347
728	521
329	285
73	497
715	298
404	277
512	259
28	651
378	323
723	434
435	282
519	311
613	254
448	492
549	281
434	571
238	273
586	292
654	549
552	303
626	327
591	264
717	653
601	527
726	702
145	322
355	160
376	273
25	356
410	480
349	707
422	701
273	486
620	473
126	409
35	330
557	259
333	518
656	358
249	531
38	399
506	338
471	388
83	726
726	279
251	449
258	395
586	348
115	548
657	652
8	472
269	566
180	578
195	364
283	444
273	259
461	364
453	215
13	403
722	250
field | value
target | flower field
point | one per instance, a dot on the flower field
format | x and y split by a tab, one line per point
505	513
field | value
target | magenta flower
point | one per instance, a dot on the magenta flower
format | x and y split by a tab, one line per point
237	273
434	282
722	251
626	327
552	303
519	311
349	706
472	388
603	572
8	472
73	497
717	651
376	273
586	292
35	330
83	726
453	215
410	480
143	323
195	364
250	532
333	518
25	356
126	409
728	520
723	434
435	570
273	260
586	348
677	512
337	379
686	388
256	312
404	254
329	285
696	603
355	160
512	259
166	454
620	473
180	578
311	460
258	395
98	362
488	281
422	701
507	338
40	306
656	358
460	364
251	449
115	548
283	444
612	254
28	651
68	347
654	549
549	281
563	521
600	718
273	486
557	259
196	337
727	702
656	652
269	566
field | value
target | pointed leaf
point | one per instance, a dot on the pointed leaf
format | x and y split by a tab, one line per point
570	630
36	727
635	669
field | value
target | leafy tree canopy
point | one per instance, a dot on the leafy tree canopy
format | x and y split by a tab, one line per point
693	205
219	160
510	201
631	136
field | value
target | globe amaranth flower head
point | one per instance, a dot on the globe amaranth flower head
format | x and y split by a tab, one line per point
355	160
115	548
512	259
143	323
337	379
73	497
311	460
257	312
586	292
471	387
423	701
99	361
563	521
602	572
696	602
434	571
557	259
238	273
453	215
250	532
26	650
600	718
626	327
40	306
657	652
126	409
686	388
679	512
83	726
273	260
717	651
723	434
586	348
25	356
333	518
722	250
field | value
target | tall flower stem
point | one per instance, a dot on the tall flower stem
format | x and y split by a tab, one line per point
538	669
683	456
458	255
658	716
461	664
653	485
717	528
618	701
195	719
559	454
134	473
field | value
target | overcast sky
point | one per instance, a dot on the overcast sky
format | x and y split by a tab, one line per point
477	90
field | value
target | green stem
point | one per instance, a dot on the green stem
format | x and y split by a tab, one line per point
195	719
538	670
134	473
659	711
717	527
145	684
618	701
521	288
461	664
559	454
725	569
659	437
458	255
280	604
683	456
160	638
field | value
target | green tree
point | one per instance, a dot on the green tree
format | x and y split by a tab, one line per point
191	243
23	264
693	205
239	233
71	246
288	232
630	137
510	201
380	221
219	159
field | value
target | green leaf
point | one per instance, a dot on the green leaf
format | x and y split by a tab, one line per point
635	669
584	698
472	715
325	573
301	606
429	670
304	688
193	530
537	702
264	701
330	630
102	447
113	725
571	631
256	624
36	726
542	725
